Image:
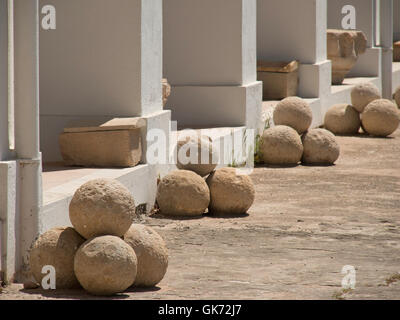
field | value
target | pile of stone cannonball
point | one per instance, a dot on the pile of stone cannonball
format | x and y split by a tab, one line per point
292	141
376	116
197	188
104	252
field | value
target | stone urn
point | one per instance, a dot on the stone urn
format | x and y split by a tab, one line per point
166	90
344	47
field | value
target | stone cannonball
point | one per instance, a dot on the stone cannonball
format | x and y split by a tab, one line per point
183	193
362	94
151	253
57	248
342	119
281	145
320	147
380	118
231	193
105	265
196	154
293	112
102	207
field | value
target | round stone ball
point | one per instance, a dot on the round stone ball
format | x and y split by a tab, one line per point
57	248
380	118
293	112
183	193
397	96
362	94
196	153
320	147
231	193
342	119
102	207
281	145
151	253
105	265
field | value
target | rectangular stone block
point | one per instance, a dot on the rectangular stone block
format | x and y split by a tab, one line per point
118	148
280	79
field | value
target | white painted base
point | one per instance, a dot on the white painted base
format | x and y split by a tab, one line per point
396	76
368	64
216	106
8	235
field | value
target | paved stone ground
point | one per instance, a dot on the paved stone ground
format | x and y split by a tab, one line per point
306	224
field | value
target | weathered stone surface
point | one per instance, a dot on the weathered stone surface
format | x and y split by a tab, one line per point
344	47
120	148
231	193
151	253
57	248
281	145
280	79
293	112
102	207
342	119
320	147
362	94
105	265
183	193
166	90
380	118
198	151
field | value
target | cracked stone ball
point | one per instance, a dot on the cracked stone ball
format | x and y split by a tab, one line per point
57	248
342	119
380	118
320	147
151	253
105	265
231	193
183	193
196	154
102	207
362	94
293	112
281	145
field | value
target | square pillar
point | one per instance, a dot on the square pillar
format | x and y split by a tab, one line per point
210	62
4	142
103	60
296	30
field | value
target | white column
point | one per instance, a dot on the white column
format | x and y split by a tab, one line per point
296	30
386	43
26	33
210	61
104	59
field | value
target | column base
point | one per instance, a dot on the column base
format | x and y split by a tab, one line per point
216	106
